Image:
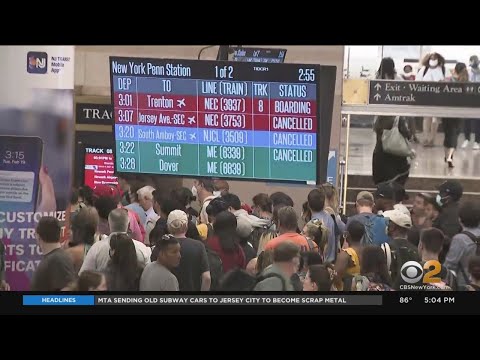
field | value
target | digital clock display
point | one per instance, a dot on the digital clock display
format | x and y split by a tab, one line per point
15	155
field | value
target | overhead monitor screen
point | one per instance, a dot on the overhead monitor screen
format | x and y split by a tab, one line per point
236	120
260	55
99	167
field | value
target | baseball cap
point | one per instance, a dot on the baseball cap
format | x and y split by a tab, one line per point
402	208
392	191
365	195
177	215
177	218
452	188
399	218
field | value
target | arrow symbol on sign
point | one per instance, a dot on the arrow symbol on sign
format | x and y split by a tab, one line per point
378	86
193	137
377	97
181	103
331	154
191	120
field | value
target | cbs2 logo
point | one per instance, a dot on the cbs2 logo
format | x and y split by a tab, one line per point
412	272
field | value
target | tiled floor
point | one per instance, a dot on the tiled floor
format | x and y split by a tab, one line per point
428	163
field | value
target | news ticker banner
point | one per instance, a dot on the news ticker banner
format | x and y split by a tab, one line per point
92	300
363	303
36	138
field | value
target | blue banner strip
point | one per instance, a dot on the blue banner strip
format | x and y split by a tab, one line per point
58	300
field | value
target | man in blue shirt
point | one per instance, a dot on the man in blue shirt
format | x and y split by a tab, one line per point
316	203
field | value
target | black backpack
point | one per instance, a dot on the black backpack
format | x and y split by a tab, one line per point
262	277
216	267
475	239
396	257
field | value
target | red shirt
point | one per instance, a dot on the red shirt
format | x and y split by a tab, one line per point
231	260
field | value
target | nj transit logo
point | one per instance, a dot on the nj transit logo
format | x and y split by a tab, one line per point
37	62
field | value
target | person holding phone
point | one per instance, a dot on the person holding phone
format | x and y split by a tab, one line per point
21	160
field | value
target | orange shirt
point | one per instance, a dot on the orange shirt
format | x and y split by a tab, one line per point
293	237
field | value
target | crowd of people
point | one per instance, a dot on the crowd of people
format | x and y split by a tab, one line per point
138	238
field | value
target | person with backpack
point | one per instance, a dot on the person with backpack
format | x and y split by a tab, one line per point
474	270
193	273
225	242
331	207
202	190
374	274
319	278
465	244
375	225
215	207
277	277
317	236
398	250
429	248
246	224
316	204
237	280
287	230
348	260
164	204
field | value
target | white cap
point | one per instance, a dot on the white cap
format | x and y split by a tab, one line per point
399	218
402	208
177	219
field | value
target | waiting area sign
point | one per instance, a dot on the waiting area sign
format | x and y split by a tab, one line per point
420	93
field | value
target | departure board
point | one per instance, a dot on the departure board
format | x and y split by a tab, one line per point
219	119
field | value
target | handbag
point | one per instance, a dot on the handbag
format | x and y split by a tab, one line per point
393	142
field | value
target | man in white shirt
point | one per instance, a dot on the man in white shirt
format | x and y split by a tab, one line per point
145	199
98	256
203	190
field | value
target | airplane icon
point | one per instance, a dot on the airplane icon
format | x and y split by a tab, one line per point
181	103
193	136
191	120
